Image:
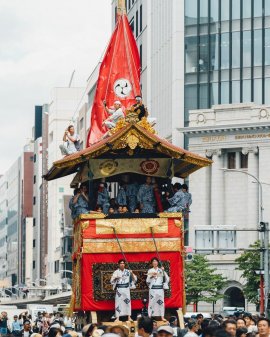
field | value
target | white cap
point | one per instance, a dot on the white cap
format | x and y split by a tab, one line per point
117	102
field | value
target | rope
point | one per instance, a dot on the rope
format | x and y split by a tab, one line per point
124	256
153	237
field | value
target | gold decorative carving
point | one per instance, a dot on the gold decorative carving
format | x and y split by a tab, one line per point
146	125
131	245
84	224
178	223
132	141
131	226
92	216
171	215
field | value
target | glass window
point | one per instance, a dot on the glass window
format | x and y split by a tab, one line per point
231	160
214	93
214	11
267	8
225	93
236	50
257	47
247	9
203	59
267	47
203	101
191	12
257	90
225	50
247	48
203	11
214	51
225	10
258	8
61	189
190	99
243	160
236	9
137	23
267	91
235	91
191	54
141	18
246	91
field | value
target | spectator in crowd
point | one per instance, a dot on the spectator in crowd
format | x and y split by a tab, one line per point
263	327
145	326
120	330
15	326
3	323
241	332
165	331
192	328
230	326
55	332
88	330
240	323
26	331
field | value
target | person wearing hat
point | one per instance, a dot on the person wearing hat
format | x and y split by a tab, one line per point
165	331
115	114
26	331
140	108
120	330
122	281
157	280
145	326
15	326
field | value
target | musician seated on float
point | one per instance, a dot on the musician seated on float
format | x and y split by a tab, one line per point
181	200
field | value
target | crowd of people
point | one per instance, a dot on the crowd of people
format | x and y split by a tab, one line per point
56	325
132	197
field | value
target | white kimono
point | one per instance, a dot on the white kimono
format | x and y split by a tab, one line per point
121	283
156	306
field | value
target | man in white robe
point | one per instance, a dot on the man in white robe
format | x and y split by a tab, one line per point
157	280
123	280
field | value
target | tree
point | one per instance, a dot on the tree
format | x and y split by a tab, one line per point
248	262
202	281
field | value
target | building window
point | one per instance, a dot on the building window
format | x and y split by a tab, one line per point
243	160
247	48
56	266
141	19
34	222
246	91
129	4
35	158
191	12
137	23
214	11
131	23
34	264
34	200
34	243
81	123
236	50
203	11
225	10
236	9
141	56
191	48
231	160
35	178
257	47
247	9
267	47
115	14
225	51
235	91
61	189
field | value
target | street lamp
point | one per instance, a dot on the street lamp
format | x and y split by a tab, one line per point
264	252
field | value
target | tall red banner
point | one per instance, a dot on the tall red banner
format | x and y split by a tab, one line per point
119	77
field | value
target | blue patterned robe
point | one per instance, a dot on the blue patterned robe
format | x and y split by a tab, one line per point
146	198
131	193
103	200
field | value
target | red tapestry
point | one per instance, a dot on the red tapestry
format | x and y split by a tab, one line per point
172	261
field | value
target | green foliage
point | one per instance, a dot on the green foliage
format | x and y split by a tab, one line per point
248	262
202	281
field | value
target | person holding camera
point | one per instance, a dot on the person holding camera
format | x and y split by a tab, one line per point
79	203
71	142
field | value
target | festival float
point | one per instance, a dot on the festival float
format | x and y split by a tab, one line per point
130	151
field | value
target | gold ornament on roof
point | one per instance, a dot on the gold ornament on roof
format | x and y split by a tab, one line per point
146	125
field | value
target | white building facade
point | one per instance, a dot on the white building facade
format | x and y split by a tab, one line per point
158	26
61	114
225	212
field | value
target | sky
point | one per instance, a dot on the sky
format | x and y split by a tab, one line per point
41	43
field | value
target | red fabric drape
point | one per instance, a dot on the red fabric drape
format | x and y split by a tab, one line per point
175	273
119	77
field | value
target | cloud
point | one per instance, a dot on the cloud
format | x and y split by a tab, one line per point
42	42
